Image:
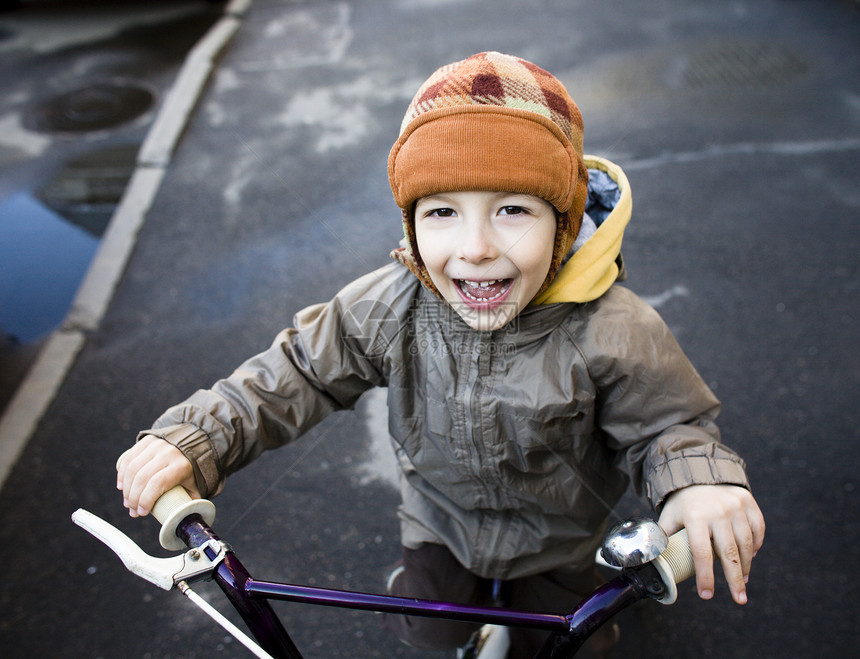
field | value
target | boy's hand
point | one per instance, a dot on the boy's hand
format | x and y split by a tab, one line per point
721	519
147	470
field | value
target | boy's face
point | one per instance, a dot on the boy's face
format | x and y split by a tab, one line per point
488	253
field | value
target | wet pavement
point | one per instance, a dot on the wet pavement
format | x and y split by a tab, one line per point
738	125
81	83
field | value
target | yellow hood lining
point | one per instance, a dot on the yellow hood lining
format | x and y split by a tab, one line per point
594	267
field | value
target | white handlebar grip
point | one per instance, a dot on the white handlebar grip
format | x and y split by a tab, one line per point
172	507
679	556
675	564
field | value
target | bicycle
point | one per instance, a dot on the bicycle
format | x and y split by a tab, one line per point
650	566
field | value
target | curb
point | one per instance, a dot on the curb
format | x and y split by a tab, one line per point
58	355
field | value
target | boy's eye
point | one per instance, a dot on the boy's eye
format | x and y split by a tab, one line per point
442	212
512	210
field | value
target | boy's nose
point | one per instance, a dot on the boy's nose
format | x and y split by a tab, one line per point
477	244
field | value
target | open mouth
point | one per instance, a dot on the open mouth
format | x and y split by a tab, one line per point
484	292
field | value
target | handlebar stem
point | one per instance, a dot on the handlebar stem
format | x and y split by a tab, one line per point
632	585
231	576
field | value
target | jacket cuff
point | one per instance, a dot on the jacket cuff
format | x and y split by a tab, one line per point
677	472
197	446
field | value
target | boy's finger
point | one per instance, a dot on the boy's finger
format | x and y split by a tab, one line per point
703	559
168	475
155	487
758	527
124	462
727	550
745	541
135	484
140	468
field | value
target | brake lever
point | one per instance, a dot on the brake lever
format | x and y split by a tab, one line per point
163	572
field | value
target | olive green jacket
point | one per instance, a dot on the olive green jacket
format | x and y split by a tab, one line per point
513	445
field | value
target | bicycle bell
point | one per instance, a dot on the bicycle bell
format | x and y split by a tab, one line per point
633	542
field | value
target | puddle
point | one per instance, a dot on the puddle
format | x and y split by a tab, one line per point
80	79
47	240
87	188
43	259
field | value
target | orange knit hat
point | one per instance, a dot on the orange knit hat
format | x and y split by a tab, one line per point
490	122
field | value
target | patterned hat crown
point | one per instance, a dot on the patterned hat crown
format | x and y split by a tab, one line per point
491	122
503	80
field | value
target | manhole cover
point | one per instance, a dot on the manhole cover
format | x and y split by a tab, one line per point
97	106
741	64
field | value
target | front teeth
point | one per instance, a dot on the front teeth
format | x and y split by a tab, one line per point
482	284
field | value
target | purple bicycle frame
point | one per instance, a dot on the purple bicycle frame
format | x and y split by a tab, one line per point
249	597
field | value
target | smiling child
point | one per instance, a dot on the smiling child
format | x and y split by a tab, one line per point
526	389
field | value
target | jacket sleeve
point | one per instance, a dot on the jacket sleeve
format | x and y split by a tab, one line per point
320	365
654	409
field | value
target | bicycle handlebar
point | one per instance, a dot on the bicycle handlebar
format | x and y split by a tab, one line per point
172	507
175	508
675	565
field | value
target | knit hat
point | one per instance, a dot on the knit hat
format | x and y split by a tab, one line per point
490	122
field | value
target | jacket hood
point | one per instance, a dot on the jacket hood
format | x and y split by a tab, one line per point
594	263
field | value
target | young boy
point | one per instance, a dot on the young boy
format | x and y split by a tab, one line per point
525	390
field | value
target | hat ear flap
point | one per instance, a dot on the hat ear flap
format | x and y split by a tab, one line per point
409	255
567	226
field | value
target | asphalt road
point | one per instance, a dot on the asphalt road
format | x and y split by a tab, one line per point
738	125
82	82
